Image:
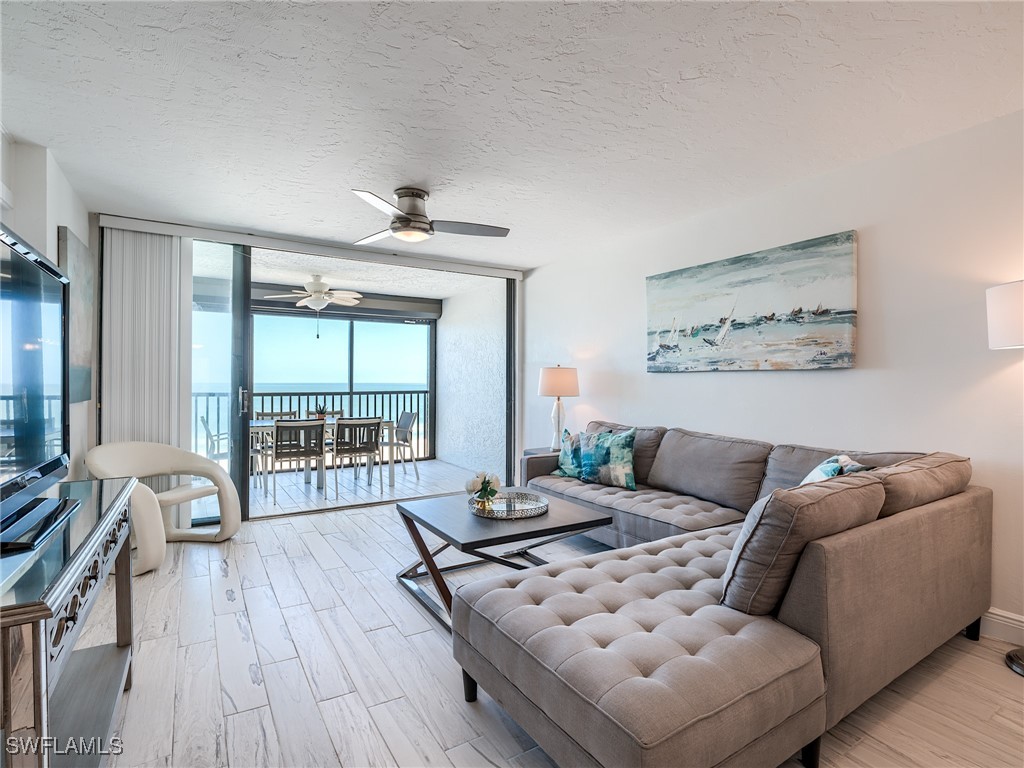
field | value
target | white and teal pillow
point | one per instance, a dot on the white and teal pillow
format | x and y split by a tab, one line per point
570	464
608	458
833	466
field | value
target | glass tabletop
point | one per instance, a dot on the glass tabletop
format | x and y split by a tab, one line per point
25	576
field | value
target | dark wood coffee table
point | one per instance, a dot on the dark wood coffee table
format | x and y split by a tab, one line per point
449	518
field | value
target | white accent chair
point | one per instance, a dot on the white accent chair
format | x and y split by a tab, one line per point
152	525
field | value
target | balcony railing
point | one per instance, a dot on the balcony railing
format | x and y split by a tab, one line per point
9	405
384	404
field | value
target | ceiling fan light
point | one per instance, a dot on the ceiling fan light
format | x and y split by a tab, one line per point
410	235
316	304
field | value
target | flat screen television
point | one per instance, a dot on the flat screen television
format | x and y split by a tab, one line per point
33	374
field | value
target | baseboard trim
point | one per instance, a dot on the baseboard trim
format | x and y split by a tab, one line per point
1003	625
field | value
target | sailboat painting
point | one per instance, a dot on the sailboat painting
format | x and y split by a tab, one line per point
793	307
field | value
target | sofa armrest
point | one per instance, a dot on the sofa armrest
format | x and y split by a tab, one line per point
537	465
879	598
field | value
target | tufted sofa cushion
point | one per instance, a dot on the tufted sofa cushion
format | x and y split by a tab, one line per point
629	653
645	514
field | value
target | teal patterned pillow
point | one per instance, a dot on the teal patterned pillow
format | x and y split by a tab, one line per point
569	462
608	458
833	466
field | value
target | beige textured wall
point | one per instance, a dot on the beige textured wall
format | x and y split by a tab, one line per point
937	224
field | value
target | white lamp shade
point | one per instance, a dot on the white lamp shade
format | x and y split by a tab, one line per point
1005	315
558	382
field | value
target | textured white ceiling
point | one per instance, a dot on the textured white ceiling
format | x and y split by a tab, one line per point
294	269
549	118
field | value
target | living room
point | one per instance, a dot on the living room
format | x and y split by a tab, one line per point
619	147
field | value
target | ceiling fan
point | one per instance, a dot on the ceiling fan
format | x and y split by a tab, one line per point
409	222
318	294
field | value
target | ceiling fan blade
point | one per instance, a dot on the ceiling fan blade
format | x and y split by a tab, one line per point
344	295
379	203
286	295
373	238
303	302
465	228
344	302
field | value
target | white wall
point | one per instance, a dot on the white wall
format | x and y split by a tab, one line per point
937	224
471	378
43	200
27	182
6	170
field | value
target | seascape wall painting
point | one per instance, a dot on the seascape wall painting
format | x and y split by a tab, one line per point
788	308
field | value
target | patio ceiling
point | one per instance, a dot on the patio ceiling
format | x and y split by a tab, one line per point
286	268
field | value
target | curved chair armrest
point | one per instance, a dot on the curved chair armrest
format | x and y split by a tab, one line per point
227	501
142	459
148	529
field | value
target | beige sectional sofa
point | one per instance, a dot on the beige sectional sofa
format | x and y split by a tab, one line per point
629	657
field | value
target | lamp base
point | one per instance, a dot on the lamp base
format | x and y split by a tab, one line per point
1015	660
557	420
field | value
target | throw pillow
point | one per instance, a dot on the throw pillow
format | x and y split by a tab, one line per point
608	458
831	467
569	462
645	447
780	525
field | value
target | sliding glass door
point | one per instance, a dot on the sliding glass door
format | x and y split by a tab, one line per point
350	366
220	367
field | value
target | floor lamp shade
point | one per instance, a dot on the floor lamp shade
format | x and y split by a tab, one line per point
1005	315
558	382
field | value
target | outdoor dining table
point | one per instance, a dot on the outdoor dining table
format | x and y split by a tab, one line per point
266	427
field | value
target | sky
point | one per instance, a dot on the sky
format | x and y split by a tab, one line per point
287	351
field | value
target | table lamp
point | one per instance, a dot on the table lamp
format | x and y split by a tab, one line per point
558	382
1006	331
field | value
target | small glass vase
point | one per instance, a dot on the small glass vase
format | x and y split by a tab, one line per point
483	504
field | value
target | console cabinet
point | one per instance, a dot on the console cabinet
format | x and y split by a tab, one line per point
58	702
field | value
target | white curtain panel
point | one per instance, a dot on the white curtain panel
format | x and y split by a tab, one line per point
142	335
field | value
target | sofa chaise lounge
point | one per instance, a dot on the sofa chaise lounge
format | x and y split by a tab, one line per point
638	657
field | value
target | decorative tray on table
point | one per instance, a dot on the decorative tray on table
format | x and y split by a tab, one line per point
509	504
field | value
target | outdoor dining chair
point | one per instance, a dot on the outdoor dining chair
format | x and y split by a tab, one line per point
261	444
403	439
275	415
296	440
357	438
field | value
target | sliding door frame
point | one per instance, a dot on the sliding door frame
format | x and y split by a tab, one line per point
512	276
511	383
241	378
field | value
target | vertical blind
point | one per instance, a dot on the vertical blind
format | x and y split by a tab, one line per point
141	369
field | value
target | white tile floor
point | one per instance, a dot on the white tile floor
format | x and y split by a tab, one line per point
294	495
292	645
